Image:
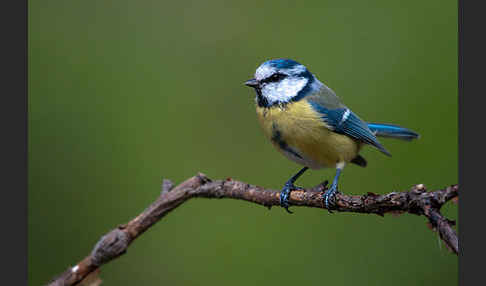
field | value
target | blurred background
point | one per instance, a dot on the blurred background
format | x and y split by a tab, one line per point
125	93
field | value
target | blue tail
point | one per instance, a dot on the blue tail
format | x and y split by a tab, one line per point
392	131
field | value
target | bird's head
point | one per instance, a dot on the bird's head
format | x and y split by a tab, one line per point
280	81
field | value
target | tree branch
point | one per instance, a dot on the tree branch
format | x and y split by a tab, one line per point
115	243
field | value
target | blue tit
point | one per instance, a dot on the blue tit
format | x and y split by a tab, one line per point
308	124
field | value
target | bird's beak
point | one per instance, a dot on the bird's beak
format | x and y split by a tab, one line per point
251	82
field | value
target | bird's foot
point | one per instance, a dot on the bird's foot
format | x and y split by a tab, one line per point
329	195
285	195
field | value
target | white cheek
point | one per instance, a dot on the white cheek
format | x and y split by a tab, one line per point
283	91
289	88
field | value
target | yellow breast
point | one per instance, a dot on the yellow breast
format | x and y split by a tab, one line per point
298	132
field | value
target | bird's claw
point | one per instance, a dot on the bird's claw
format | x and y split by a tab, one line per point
329	195
285	195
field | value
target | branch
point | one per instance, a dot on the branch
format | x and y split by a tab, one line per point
115	243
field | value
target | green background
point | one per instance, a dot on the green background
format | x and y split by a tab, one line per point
125	93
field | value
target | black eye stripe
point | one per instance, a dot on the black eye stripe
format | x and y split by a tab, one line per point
275	77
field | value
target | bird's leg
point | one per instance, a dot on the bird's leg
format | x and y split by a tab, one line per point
288	187
331	192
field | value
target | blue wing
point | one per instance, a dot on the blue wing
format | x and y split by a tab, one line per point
343	121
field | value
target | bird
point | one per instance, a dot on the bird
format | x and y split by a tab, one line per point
306	122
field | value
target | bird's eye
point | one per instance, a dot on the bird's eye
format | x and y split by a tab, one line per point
275	77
